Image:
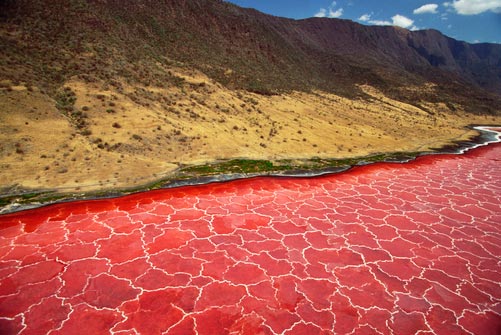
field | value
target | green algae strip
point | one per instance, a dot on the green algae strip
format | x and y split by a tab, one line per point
16	199
247	166
19	199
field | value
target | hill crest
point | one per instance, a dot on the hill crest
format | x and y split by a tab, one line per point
244	49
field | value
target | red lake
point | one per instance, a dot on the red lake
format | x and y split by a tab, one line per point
387	248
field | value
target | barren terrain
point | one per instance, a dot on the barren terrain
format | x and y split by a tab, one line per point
106	95
127	137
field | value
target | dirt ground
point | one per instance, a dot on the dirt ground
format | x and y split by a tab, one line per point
135	135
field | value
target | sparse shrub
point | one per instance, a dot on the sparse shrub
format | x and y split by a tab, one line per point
62	170
65	99
253	101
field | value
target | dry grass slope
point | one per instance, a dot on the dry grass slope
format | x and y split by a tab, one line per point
131	137
99	95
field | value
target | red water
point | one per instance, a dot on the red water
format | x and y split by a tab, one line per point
382	249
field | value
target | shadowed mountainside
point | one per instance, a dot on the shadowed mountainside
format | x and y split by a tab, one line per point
47	42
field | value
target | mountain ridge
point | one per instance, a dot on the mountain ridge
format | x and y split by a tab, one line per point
245	49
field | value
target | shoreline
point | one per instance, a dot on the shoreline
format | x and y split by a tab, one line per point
194	175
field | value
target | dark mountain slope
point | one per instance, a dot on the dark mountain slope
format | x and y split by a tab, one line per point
46	42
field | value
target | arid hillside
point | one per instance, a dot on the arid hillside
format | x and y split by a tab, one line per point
48	42
98	95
